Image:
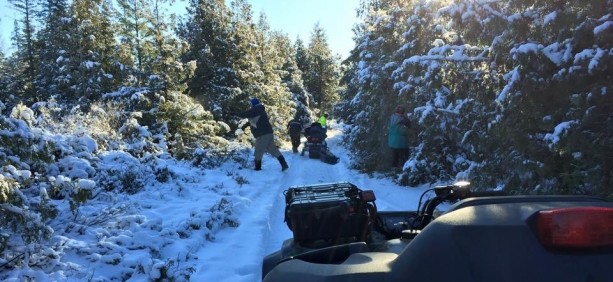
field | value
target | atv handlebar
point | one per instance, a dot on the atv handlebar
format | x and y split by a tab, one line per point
447	193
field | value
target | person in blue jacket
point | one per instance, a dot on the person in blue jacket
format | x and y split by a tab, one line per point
397	137
263	133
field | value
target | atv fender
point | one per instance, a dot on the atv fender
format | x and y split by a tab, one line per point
357	267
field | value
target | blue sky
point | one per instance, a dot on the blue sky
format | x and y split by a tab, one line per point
298	17
294	17
6	25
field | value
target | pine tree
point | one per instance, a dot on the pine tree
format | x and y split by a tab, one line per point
276	95
557	67
291	76
24	41
108	48
136	31
92	59
301	55
208	34
4	77
54	50
169	72
491	86
321	77
246	42
370	94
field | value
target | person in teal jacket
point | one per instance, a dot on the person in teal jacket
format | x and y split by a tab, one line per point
397	137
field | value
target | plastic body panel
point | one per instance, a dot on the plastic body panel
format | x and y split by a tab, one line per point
488	241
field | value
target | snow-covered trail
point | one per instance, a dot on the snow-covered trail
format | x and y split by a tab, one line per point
262	228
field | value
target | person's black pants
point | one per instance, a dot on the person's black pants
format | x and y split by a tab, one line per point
399	157
295	141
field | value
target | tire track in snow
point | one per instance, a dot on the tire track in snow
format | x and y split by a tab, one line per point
262	228
245	241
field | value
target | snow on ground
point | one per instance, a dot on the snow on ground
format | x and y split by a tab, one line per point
202	224
238	252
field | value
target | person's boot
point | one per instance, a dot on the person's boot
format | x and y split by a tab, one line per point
258	165
284	165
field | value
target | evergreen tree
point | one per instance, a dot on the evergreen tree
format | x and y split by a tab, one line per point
291	76
168	71
301	55
92	60
54	50
302	63
276	95
24	42
109	61
4	77
208	34
321	76
491	86
246	42
135	22
371	94
557	69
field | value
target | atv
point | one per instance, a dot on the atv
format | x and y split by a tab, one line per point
338	235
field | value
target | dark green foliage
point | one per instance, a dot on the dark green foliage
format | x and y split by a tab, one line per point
211	158
514	95
320	72
54	49
163	174
24	41
209	35
125	181
22	216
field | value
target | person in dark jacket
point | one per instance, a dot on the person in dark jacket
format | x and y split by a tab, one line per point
315	132
262	131
294	128
398	137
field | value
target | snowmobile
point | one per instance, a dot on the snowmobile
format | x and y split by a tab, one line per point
338	235
316	144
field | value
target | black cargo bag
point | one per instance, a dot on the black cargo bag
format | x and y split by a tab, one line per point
326	213
315	150
327	157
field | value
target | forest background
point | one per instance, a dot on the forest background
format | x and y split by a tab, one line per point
512	95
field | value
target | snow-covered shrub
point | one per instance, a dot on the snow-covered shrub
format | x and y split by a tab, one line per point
23	217
168	271
242	156
163	174
211	158
24	147
221	215
120	171
24	113
138	138
99	123
189	126
77	192
240	180
74	167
